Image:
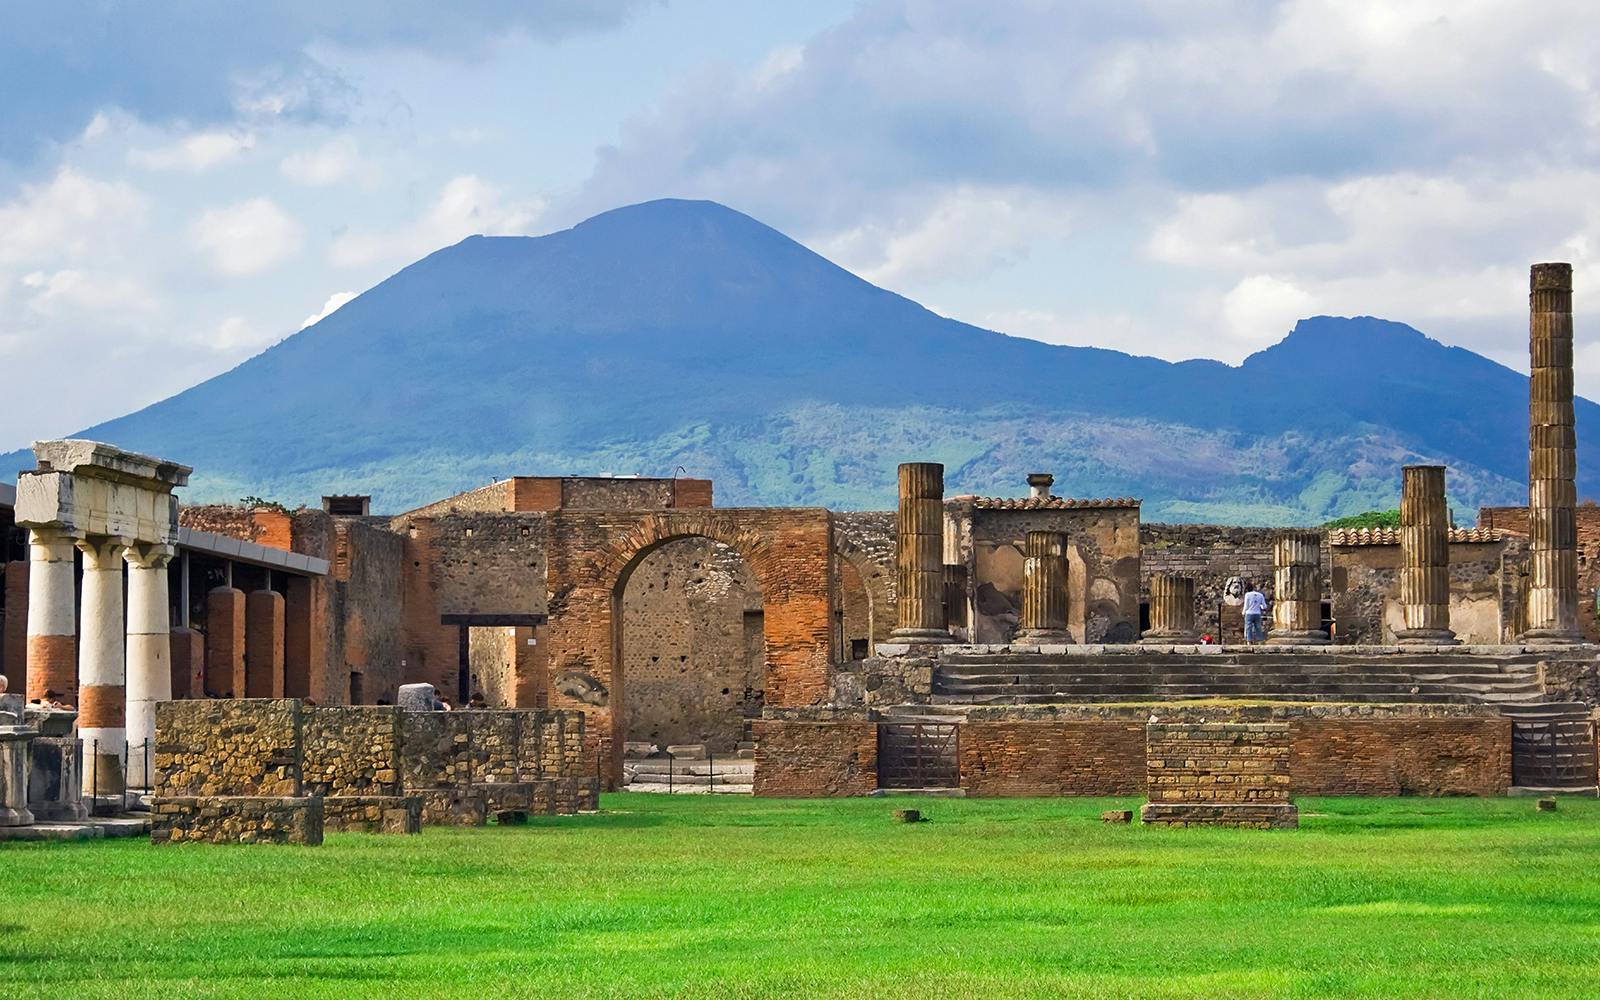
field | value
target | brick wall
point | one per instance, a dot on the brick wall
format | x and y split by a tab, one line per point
1417	756
815	759
865	542
691	613
789	552
1220	762
1088	757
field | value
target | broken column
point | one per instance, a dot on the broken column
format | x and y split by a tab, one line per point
52	615
1297	589
1424	557
1044	589
149	653
1171	610
225	642
920	557
1552	460
102	709
263	644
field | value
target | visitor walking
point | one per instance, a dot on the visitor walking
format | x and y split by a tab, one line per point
1255	606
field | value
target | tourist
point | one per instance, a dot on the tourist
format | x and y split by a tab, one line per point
1255	606
4	683
477	700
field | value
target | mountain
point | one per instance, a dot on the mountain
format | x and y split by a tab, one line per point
679	334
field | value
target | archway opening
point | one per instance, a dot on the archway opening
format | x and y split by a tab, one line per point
691	649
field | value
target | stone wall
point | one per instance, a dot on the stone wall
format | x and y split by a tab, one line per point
804	759
1211	555
367	619
1102	566
865	578
1218	774
1081	757
350	751
248	747
692	656
1515	520
236	819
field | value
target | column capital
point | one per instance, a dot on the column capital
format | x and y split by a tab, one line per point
101	550
52	534
150	555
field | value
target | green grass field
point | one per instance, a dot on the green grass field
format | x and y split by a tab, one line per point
690	896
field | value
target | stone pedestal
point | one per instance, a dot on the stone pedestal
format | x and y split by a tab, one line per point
1552	460
1218	774
55	786
1297	589
1171	611
1044	589
1424	557
920	556
14	742
415	697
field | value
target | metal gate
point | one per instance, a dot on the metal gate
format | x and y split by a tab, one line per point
1552	746
918	755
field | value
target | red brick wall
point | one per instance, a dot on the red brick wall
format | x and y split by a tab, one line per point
591	553
263	644
188	664
530	493
1088	757
691	493
14	637
1400	756
815	759
225	642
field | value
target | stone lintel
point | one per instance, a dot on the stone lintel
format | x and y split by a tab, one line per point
103	461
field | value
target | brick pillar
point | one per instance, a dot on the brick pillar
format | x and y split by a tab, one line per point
1424	557
1044	589
14	638
102	696
920	557
225	643
305	643
1171	610
1297	589
263	644
188	663
52	616
1552	460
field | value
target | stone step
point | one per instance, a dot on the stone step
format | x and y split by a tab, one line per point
1062	698
663	789
731	765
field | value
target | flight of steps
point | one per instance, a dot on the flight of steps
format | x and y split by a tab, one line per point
1009	678
688	770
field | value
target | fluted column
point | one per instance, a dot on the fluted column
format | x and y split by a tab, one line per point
102	710
52	616
1424	557
1044	589
920	559
149	653
1171	610
1297	589
1552	460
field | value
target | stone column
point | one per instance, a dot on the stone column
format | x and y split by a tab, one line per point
1552	460
1297	589
920	554
1044	589
1171	610
102	710
1424	557
149	653
52	616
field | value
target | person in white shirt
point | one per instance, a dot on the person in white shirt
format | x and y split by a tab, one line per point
1255	607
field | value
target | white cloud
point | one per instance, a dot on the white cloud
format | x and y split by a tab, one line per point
329	163
1261	309
195	153
73	292
466	206
233	335
245	238
67	217
335	301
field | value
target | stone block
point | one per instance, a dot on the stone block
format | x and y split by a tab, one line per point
237	819
373	813
55	788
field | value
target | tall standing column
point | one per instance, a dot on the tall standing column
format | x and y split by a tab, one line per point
1297	589
102	711
52	616
1424	557
1044	589
920	559
149	654
1171	610
1552	460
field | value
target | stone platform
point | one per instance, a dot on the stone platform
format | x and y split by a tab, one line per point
92	829
1242	815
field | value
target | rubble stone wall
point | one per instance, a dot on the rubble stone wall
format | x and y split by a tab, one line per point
797	759
248	747
237	819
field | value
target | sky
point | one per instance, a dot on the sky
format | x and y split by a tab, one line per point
183	185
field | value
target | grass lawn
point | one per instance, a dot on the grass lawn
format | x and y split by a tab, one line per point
690	896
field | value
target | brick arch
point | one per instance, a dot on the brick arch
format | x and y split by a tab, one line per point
877	578
592	554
